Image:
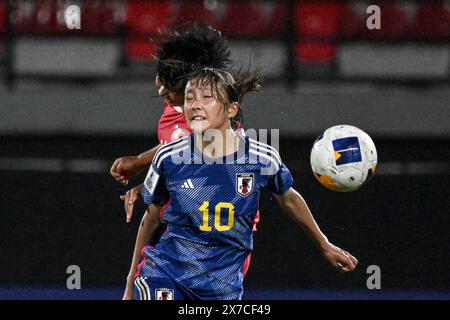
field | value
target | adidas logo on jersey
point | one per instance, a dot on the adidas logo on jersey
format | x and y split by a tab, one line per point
187	184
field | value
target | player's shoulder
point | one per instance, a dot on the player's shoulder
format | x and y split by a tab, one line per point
171	148
170	109
266	153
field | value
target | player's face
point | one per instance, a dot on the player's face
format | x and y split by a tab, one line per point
204	109
175	98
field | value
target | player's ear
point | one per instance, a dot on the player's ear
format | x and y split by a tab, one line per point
233	109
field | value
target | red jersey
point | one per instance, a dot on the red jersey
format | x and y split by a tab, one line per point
172	124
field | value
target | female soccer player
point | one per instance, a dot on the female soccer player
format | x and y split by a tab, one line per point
180	51
213	185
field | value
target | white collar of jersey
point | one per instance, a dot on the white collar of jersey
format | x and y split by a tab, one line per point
178	108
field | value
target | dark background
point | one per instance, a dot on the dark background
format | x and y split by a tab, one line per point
398	222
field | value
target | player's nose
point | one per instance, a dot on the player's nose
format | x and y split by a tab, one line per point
163	91
157	81
196	105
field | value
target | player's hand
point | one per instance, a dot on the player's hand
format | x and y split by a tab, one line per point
129	291
125	168
339	258
130	198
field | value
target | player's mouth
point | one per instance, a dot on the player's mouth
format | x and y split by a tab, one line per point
198	118
198	123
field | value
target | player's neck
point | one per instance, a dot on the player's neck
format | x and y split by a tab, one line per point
218	143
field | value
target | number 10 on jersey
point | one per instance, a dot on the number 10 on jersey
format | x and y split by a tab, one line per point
204	209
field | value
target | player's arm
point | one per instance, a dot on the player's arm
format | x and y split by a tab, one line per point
293	203
150	226
127	167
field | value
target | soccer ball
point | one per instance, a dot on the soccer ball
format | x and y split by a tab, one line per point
343	158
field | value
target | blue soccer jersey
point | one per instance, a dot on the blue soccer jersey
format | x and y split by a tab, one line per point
210	215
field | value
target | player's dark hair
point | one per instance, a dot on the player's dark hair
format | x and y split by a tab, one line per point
182	51
235	86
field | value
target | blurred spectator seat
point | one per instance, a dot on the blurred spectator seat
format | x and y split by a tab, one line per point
394	22
2	25
140	49
277	21
97	18
317	25
318	19
195	11
2	16
147	17
43	17
242	19
22	16
353	22
432	20
316	53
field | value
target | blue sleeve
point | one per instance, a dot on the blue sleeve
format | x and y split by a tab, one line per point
155	190
280	182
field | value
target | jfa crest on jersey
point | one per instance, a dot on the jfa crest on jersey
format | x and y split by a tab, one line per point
164	294
244	183
211	212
